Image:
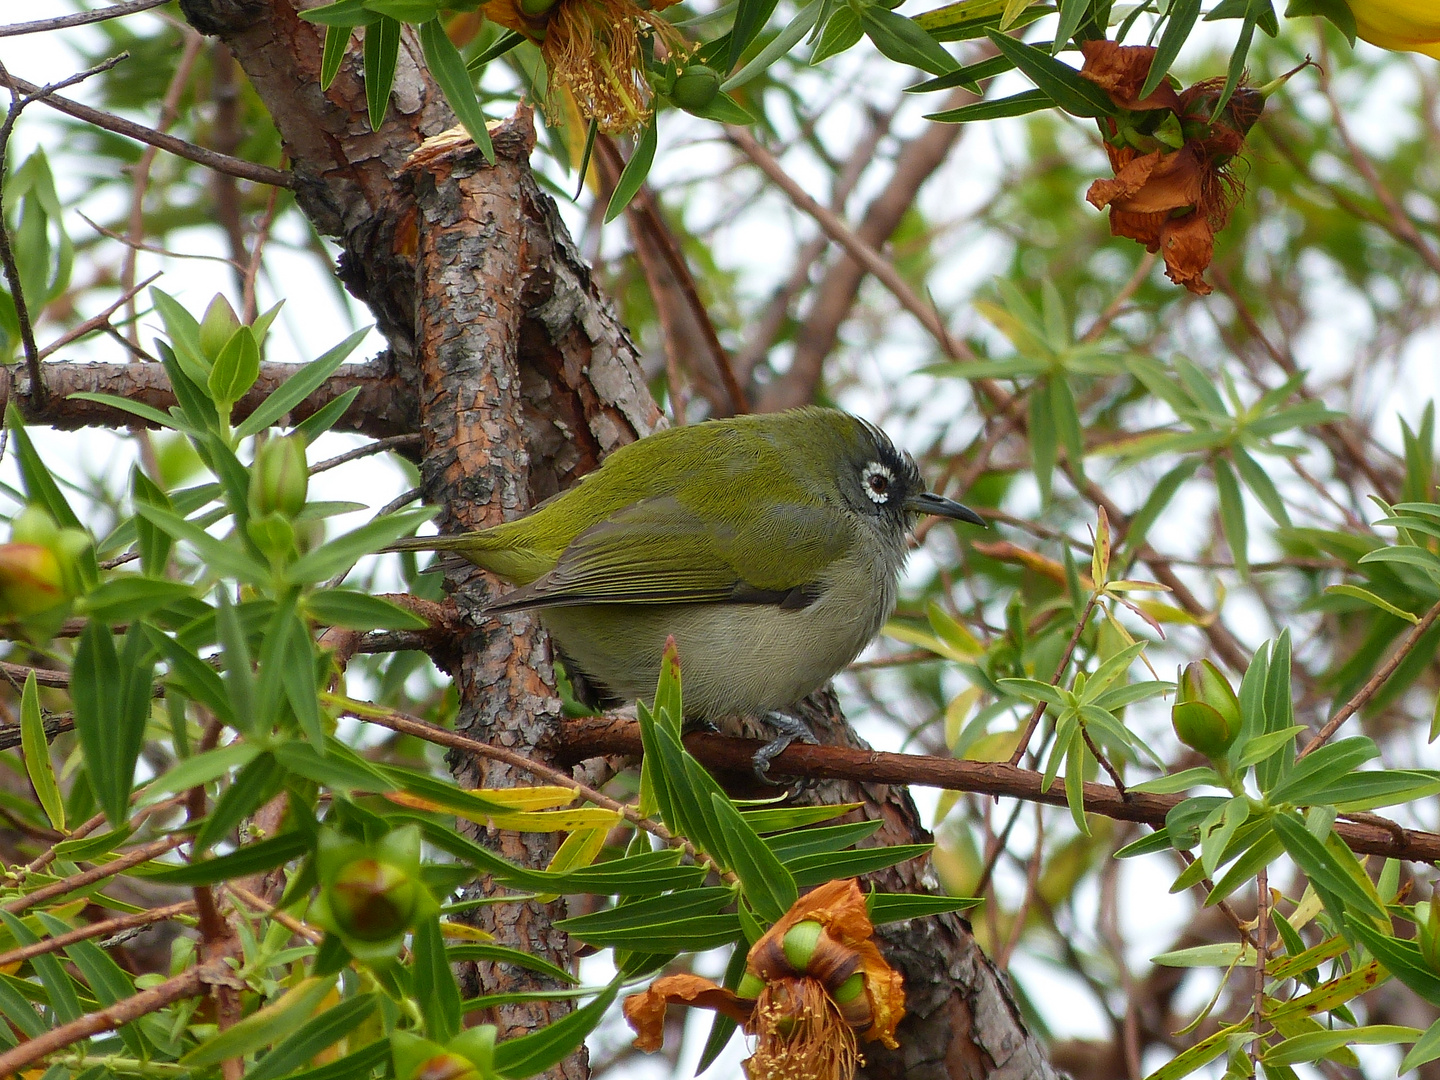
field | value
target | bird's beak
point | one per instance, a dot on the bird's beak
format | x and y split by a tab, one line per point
929	503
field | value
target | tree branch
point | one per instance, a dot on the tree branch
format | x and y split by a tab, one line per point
245	170
592	736
385	406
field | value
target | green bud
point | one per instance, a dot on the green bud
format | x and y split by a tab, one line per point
750	986
31	580
696	87
280	477
34	525
446	1066
372	900
219	324
1206	714
800	943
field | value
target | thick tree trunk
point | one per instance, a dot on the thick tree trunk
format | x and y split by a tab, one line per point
523	380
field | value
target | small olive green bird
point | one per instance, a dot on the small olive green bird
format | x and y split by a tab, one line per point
769	546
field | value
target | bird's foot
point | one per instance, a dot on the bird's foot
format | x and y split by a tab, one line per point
788	729
702	726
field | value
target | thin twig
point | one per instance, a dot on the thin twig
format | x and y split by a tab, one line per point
1373	684
80	18
98	929
143	1003
422	729
581	738
1034	721
376	447
856	248
130	859
1262	919
245	170
1117	303
97	322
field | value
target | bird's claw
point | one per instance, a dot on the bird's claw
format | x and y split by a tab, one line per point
788	730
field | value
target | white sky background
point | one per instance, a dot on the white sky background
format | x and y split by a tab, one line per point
753	238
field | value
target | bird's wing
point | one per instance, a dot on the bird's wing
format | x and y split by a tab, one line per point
658	551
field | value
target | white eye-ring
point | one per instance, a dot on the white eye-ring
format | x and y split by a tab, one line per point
876	479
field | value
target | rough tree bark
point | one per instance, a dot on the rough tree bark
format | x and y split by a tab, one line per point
523	380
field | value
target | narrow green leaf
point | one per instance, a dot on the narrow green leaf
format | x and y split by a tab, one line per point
258	781
1314	773
818	869
1044	441
37	755
1370	598
316	1034
750	18
781	44
59	985
235	371
1059	81
1319	865
1426	1049
1021	104
337	40
903	41
1232	515
768	886
382	49
250	859
505	43
134	408
448	67
340	554
435	987
262	1027
634	173
901	907
1179	21
1072	14
222	556
1317	1044
307	379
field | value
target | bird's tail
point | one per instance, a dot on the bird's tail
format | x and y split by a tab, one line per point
455	542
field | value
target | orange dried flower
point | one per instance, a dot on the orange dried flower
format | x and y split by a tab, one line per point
592	49
1172	191
821	980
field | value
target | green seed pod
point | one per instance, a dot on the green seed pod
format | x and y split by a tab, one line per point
750	986
373	901
800	943
696	87
280	478
536	7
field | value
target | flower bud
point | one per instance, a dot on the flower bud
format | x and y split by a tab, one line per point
219	324
372	900
280	477
1206	714
31	580
34	525
696	87
446	1066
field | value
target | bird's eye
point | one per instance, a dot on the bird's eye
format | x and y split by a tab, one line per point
877	480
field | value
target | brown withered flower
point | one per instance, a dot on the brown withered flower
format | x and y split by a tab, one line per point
812	982
592	49
1172	191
